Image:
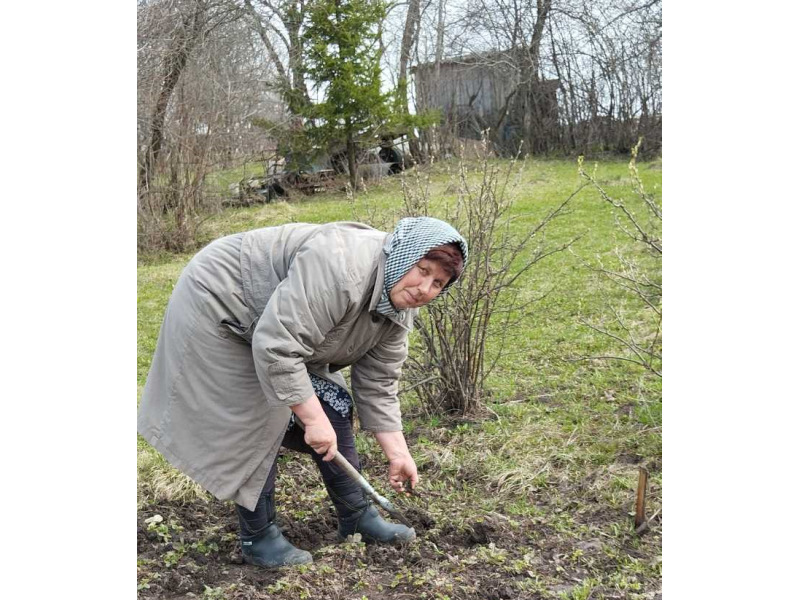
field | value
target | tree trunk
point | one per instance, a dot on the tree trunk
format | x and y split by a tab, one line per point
439	36
185	41
273	55
294	19
351	162
409	36
409	33
534	121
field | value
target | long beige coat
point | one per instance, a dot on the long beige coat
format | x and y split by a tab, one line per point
249	317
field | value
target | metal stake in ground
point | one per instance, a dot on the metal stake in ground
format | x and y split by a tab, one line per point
353	473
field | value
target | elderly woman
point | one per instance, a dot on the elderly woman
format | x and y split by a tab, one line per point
256	331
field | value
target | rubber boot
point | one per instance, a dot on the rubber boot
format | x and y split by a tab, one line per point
357	515
267	547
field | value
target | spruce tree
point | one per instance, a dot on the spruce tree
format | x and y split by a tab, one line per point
342	60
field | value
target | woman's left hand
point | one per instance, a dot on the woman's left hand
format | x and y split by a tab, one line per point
401	469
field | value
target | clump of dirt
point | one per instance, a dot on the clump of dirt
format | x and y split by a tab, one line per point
475	533
311	534
629	459
481	532
420	519
494	590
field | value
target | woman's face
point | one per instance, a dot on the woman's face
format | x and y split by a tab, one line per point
423	282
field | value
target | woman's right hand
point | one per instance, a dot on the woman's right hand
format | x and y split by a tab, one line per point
320	434
322	438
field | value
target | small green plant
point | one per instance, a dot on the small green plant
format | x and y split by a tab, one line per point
492	554
229	537
205	548
156	524
624	583
520	566
173	557
402	576
217	593
580	592
294	588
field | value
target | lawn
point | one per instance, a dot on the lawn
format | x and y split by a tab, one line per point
533	500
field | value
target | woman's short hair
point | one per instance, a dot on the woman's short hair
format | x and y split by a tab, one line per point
449	257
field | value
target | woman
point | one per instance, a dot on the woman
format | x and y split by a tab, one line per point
255	333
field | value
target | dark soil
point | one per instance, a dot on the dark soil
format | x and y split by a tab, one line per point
459	553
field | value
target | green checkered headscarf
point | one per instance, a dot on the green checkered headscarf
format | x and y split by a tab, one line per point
411	240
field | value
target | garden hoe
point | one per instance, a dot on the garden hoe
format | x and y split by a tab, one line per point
353	473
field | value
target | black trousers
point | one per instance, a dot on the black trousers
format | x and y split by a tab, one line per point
254	523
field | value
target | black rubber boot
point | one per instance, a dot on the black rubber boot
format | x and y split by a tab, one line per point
263	543
357	515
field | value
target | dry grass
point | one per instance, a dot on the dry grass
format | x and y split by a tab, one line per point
158	481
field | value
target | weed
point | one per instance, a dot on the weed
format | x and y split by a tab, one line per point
217	593
173	557
520	566
295	589
581	592
492	555
205	548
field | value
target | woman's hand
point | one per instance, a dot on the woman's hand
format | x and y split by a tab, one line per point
402	467
322	438
320	434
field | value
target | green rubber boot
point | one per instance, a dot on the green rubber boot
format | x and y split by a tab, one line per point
263	543
357	515
273	550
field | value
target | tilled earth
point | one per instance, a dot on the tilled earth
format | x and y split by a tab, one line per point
191	550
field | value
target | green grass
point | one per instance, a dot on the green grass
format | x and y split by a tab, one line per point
570	432
219	181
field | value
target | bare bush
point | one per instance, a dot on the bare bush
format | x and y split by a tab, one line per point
172	208
636	271
463	334
199	84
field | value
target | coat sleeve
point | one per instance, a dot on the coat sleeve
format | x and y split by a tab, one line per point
313	298
375	377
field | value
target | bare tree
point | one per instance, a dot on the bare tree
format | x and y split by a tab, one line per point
200	83
279	24
608	58
190	25
409	38
604	56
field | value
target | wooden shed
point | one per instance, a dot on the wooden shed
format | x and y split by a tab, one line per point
487	91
